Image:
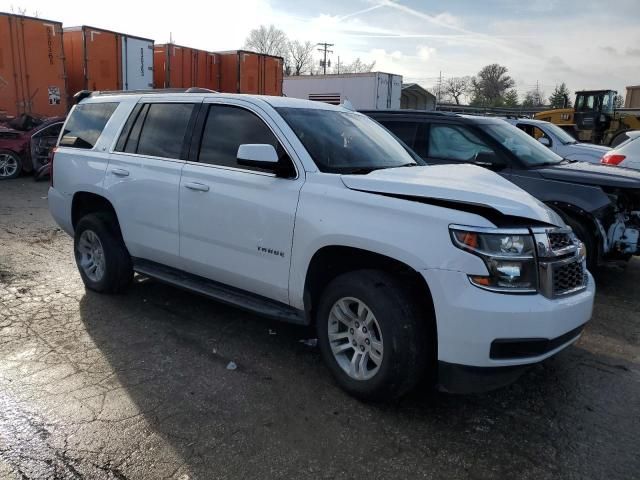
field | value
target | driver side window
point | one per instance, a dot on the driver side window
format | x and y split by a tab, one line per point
455	142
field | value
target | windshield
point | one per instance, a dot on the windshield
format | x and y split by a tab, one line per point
528	150
560	134
343	142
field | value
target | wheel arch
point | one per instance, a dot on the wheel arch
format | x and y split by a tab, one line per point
84	203
333	260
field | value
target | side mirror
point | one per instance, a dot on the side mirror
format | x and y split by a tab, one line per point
545	141
489	160
261	155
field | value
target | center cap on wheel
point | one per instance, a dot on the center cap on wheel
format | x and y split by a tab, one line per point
360	337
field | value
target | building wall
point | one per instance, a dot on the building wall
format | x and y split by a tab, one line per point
365	91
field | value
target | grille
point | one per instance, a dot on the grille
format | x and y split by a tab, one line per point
568	277
559	241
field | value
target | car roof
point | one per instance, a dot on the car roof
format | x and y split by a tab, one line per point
429	114
169	94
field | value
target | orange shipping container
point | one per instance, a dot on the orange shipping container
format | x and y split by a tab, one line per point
249	72
175	66
100	59
32	74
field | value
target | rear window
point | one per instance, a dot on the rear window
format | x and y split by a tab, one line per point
85	125
156	129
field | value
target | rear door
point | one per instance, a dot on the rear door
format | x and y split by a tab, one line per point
236	223
143	177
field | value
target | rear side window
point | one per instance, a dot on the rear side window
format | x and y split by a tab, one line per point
226	128
411	133
85	125
157	129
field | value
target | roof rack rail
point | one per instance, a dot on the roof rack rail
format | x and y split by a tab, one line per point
82	94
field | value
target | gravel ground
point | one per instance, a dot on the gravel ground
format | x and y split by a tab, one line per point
136	386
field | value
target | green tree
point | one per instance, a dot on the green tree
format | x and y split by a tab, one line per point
511	99
490	85
559	95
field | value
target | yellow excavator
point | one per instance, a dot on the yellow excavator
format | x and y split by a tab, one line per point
594	118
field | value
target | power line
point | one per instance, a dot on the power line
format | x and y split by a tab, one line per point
324	49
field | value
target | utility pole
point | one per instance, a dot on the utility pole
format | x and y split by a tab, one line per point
338	65
439	87
324	49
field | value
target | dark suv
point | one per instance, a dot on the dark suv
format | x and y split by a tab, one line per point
600	203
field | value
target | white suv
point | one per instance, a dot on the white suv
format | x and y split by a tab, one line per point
317	215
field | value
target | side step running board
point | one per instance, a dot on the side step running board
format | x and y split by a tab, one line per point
222	293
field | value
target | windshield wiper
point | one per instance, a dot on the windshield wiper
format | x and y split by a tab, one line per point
360	170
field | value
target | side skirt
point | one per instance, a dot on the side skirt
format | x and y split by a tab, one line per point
223	293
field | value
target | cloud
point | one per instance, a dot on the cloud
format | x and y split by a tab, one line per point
425	52
634	52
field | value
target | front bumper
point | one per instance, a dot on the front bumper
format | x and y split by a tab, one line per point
530	328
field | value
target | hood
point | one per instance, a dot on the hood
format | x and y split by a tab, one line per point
588	148
465	184
592	174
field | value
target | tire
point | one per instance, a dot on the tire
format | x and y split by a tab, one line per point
10	165
101	256
398	325
585	236
618	139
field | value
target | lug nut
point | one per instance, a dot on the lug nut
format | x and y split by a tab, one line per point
357	325
366	340
354	343
362	347
351	331
364	329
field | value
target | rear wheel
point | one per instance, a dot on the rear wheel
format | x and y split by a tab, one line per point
371	333
101	256
10	165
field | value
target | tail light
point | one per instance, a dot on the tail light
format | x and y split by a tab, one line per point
51	155
612	158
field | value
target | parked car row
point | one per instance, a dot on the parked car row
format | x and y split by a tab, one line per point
600	204
447	273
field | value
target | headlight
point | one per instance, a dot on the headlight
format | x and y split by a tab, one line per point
508	255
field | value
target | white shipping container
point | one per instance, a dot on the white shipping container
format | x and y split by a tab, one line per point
137	63
365	91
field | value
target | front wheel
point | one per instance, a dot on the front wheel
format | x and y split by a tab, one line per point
588	238
10	165
371	333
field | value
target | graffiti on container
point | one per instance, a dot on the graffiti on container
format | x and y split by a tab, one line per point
50	50
54	95
141	62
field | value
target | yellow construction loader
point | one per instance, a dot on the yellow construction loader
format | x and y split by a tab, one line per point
594	118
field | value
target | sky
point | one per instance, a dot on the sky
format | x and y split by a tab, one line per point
585	43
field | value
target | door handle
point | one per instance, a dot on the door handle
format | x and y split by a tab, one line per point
200	187
120	172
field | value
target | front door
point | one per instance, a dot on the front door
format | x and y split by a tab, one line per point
236	223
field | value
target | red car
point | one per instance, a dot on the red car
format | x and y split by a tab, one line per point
25	143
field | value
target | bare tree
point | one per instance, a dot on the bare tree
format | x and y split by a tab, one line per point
268	40
18	10
301	57
456	87
358	66
533	98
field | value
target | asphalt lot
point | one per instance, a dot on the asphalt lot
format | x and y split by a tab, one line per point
136	386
